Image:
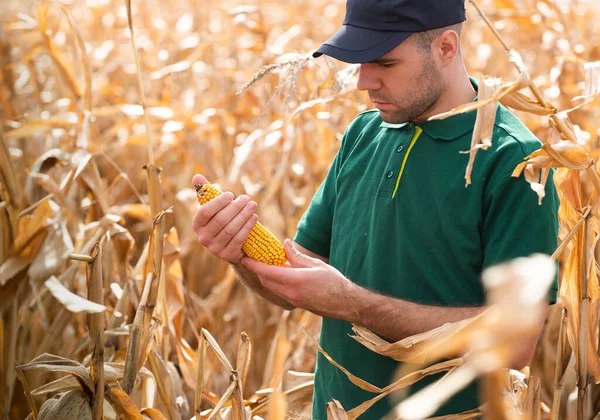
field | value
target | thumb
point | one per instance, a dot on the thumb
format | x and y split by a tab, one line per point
297	258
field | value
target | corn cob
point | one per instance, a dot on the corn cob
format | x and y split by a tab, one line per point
261	244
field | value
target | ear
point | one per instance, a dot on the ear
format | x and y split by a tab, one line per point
446	47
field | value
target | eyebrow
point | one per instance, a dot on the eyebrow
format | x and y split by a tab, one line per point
385	60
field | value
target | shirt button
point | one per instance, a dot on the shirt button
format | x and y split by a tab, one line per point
400	148
390	174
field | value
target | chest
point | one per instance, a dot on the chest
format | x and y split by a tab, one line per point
402	209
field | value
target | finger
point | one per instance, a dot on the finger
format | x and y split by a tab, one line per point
297	258
257	267
241	226
207	211
273	273
199	179
223	217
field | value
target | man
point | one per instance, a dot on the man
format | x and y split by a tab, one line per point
392	240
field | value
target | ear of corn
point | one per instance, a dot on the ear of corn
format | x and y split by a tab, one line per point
261	244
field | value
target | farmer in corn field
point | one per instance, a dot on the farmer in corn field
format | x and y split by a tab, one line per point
393	240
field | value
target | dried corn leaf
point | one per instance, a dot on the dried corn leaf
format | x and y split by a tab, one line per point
571	292
354	379
427	401
226	396
465	415
122	404
335	411
71	301
33	225
152	414
403	382
419	348
484	122
217	349
592	78
520	102
563	154
35	127
57	56
515	289
8	175
112	372
51	363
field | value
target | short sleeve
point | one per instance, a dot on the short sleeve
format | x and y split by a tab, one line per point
314	228
516	225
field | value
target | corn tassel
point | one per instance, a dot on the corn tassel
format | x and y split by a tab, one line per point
261	244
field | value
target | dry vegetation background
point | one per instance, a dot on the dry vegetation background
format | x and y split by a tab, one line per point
81	206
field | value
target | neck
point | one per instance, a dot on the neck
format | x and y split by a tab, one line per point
458	92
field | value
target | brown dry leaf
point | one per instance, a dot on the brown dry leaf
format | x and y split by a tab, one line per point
53	254
515	291
243	356
71	405
335	411
226	396
217	349
562	154
35	127
403	382
51	363
520	102
492	96
113	372
59	59
152	414
32	225
164	382
122	404
86	65
71	301
592	78
571	291
419	348
277	408
8	174
466	415
354	379
484	122
531	404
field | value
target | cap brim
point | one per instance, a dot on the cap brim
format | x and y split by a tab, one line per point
352	44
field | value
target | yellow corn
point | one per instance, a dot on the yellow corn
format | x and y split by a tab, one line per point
261	244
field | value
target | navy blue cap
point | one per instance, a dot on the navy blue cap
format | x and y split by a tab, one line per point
372	28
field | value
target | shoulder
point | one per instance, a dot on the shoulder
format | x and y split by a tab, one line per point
365	120
512	142
512	135
365	125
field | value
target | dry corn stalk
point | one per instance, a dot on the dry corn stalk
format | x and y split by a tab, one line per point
261	244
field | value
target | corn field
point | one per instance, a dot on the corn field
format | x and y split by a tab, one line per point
110	308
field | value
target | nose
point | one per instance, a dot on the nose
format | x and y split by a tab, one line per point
367	77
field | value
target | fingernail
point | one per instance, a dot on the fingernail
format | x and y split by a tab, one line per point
252	206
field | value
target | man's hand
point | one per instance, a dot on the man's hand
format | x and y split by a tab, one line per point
223	224
307	283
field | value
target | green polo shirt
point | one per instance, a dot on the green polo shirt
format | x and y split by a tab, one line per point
422	236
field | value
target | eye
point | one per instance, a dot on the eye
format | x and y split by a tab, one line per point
388	65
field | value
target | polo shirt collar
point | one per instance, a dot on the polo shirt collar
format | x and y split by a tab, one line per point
447	129
453	127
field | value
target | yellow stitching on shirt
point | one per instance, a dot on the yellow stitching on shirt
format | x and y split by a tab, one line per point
418	131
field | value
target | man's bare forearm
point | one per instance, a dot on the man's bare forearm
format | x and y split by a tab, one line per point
251	280
397	319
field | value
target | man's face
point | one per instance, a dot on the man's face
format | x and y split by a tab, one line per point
403	84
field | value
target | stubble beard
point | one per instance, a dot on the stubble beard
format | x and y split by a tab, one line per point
423	97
